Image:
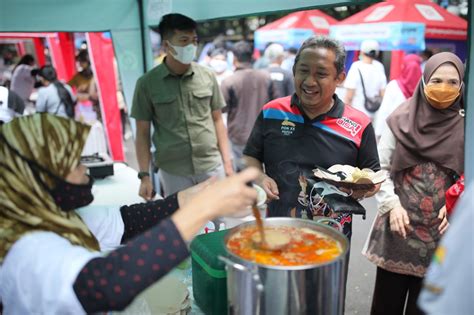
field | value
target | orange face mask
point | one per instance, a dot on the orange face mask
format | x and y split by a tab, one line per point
441	95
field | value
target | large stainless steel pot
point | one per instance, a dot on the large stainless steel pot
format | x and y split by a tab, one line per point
272	290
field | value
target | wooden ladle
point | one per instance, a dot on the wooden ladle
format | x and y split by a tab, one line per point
268	239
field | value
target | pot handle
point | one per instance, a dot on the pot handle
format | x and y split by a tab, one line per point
332	221
255	276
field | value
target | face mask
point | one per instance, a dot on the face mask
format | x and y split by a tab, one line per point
218	66
70	196
185	54
442	95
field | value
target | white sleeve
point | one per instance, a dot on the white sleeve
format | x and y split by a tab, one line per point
106	223
40	103
386	197
392	98
383	77
38	273
352	77
383	80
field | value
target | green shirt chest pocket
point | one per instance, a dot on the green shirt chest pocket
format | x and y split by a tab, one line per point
200	103
166	109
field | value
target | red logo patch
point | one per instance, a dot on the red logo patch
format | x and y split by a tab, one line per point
349	125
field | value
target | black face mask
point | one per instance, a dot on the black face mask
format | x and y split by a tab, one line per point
70	196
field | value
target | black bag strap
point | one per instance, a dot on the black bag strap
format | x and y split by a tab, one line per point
63	101
60	103
362	81
57	108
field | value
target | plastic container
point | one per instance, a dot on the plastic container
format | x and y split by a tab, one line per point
209	274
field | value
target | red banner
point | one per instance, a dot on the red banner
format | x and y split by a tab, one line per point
39	50
57	57
101	53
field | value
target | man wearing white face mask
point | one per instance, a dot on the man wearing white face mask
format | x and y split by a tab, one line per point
183	102
219	64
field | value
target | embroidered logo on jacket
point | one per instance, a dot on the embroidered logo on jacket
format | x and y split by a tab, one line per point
287	127
349	125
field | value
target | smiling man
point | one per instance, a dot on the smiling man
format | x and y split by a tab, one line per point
183	102
312	127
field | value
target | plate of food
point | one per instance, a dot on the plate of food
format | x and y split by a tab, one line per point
347	176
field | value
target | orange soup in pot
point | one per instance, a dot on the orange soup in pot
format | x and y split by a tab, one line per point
306	247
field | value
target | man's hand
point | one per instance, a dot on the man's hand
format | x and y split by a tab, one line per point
228	167
142	148
270	187
444	220
399	221
146	189
358	194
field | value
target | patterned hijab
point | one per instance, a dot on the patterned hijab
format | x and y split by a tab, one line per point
56	144
424	133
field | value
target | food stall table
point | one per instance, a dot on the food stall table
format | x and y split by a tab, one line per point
119	189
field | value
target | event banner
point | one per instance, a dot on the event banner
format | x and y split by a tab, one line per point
288	38
390	35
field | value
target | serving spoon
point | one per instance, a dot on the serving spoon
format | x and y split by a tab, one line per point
276	240
272	240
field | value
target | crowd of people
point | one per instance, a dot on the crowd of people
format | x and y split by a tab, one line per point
216	127
40	90
284	123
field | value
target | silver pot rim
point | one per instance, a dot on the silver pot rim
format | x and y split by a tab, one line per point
296	222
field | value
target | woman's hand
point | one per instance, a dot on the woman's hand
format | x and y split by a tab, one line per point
222	198
270	186
443	216
399	221
185	195
229	195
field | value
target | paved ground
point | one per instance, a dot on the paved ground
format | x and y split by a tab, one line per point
361	278
361	272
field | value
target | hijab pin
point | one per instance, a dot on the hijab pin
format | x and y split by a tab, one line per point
462	112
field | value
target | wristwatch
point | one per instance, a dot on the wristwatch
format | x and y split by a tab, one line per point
143	174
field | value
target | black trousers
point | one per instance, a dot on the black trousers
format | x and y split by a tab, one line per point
391	291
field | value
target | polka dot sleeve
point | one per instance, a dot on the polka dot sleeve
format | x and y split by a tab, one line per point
140	217
112	282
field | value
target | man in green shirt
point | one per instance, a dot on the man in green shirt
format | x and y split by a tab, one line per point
183	102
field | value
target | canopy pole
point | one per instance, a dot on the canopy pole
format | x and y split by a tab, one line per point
142	34
469	128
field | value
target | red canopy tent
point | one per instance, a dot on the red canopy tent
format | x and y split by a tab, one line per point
315	20
292	29
439	23
61	48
